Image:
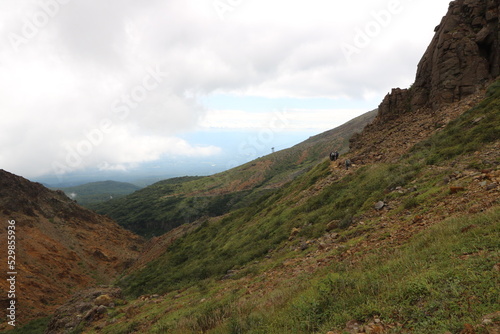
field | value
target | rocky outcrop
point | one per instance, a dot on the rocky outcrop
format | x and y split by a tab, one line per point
463	56
394	104
84	307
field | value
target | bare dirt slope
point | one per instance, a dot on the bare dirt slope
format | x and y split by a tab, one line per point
60	247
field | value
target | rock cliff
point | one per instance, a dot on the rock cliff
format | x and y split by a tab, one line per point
463	55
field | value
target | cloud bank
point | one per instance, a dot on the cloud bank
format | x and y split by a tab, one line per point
113	84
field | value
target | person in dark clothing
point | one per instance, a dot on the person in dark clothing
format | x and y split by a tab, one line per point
334	156
347	164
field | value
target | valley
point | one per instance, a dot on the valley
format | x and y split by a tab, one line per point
405	238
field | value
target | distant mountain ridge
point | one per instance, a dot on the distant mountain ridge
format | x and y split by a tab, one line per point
96	192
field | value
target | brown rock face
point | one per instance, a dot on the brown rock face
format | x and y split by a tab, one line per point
394	104
463	55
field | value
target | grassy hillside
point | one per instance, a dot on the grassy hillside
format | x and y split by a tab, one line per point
440	280
170	203
97	192
316	254
320	254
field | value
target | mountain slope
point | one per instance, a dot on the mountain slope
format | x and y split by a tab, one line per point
324	195
96	192
407	240
170	203
60	246
408	246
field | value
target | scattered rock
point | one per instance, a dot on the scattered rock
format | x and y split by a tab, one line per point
353	327
468	329
477	120
334	235
332	225
230	274
491	318
380	205
131	312
418	219
86	305
491	186
103	300
294	233
374	329
455	190
89	316
100	255
101	309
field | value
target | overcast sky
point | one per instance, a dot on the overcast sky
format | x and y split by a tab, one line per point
113	84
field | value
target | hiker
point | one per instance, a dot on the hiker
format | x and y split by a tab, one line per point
347	164
334	156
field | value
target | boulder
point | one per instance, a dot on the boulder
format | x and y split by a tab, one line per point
380	205
294	233
455	190
103	300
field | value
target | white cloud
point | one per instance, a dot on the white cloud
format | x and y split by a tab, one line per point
68	65
288	120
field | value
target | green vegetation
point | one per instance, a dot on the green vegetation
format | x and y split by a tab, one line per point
440	280
167	204
437	281
97	192
381	264
250	233
466	134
